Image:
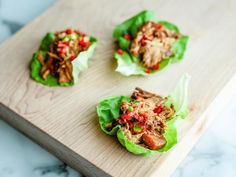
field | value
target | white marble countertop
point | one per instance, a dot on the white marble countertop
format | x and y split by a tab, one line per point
213	156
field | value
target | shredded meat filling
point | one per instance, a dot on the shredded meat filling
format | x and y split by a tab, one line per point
153	43
143	119
63	50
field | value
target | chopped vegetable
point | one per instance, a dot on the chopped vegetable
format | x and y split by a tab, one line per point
158	109
127	37
144	120
131	108
120	51
137	129
69	31
156	66
148	70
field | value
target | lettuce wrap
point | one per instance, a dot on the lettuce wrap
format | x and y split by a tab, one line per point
108	110
127	63
79	63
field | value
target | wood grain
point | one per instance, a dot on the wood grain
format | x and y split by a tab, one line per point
64	120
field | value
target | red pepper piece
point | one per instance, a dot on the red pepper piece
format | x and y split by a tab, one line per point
120	51
125	117
156	66
73	58
158	26
158	109
142	41
147	70
87	44
61	45
127	37
69	31
67	43
83	44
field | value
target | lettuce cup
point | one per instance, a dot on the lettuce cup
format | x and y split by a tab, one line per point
145	122
146	45
61	57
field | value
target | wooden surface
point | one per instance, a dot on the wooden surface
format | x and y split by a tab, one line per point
64	120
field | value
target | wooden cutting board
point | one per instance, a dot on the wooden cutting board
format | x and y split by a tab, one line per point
64	121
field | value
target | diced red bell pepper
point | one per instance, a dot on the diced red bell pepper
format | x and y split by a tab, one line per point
73	58
69	31
158	26
156	66
148	70
67	43
127	37
142	41
60	44
120	51
83	44
158	109
125	117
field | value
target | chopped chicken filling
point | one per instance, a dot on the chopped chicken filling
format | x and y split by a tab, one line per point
63	50
153	43
143	119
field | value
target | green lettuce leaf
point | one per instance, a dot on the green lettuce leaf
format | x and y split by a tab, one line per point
46	42
79	64
127	65
35	69
179	97
108	110
132	25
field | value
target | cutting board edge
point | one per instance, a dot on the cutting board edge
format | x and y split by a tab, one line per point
203	123
84	166
49	143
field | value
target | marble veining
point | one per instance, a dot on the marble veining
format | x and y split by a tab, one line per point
20	157
213	156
